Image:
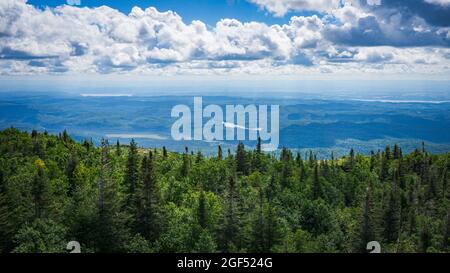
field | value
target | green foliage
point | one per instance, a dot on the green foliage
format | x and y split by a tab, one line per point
54	190
42	236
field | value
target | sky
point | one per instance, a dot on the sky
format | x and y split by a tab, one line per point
239	39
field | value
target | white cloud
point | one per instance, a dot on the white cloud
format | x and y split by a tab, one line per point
70	39
444	3
281	7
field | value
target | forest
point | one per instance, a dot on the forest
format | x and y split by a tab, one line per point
122	198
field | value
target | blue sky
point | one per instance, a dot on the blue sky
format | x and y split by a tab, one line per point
208	11
240	39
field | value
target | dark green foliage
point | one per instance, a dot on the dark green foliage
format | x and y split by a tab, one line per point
391	216
54	190
317	187
39	191
118	149
42	236
368	222
241	160
149	214
186	164
231	225
132	177
5	225
202	210
108	230
219	153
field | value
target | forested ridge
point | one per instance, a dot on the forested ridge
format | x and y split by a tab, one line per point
121	198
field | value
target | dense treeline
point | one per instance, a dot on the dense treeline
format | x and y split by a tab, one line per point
119	198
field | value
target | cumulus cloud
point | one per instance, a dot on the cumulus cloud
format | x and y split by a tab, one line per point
443	3
281	7
348	37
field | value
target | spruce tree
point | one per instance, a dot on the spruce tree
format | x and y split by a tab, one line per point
316	187
186	164
446	237
392	217
298	159
231	225
257	233
397	152
367	230
6	229
387	152
271	228
352	158
118	149
70	172
271	190
108	229
150	214
265	233
311	158
258	146
241	161
286	170
202	210
384	168
219	153
40	191
131	176
199	157
65	136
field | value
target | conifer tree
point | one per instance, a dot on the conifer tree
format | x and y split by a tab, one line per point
372	160
298	159
352	158
118	149
150	215
265	226
6	229
316	187
258	146
70	172
199	157
131	175
257	234
367	232
107	224
271	189
397	152
392	217
271	228
65	136
311	158
384	168
186	164
219	153
387	152
231	225
40	191
241	161
286	170
202	210
446	237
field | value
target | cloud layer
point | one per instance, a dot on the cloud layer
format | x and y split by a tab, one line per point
350	37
